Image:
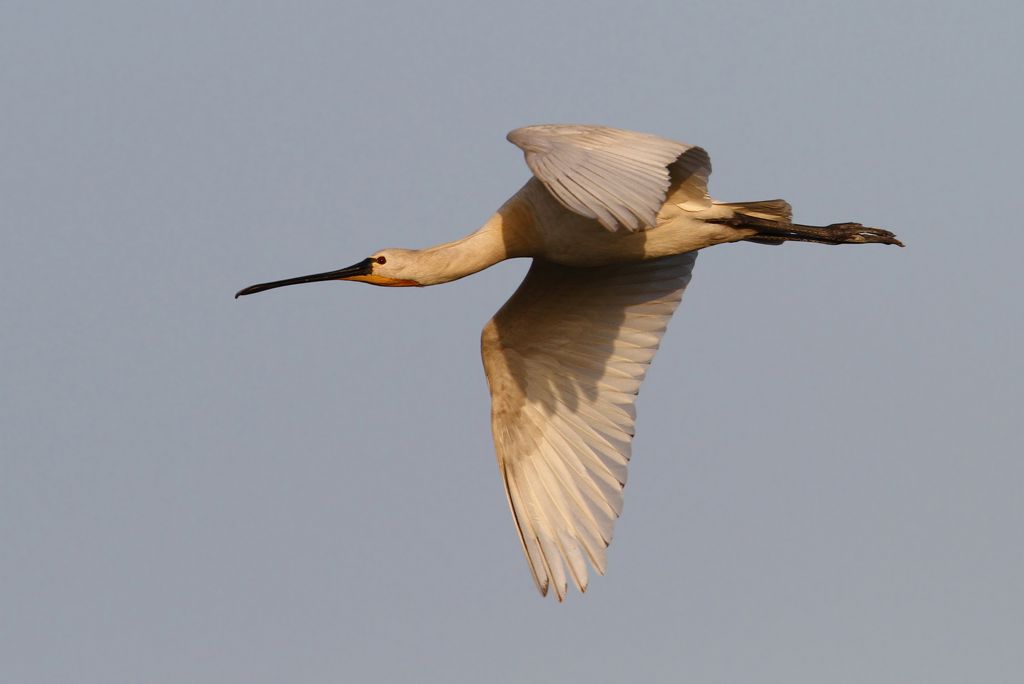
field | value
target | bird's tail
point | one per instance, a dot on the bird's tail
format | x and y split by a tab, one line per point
773	221
776	210
765	213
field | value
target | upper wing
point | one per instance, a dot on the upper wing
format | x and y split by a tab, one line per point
618	177
564	360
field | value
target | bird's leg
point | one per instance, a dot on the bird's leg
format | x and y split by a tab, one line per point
832	234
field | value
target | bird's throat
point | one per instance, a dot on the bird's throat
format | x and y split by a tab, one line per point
383	281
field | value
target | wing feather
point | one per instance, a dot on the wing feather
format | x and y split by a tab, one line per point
527	534
620	178
589	501
565	358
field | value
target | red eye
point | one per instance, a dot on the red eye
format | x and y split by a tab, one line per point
381	260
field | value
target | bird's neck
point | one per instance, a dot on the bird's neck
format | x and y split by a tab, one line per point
503	236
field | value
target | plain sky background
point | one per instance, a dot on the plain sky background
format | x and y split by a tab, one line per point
828	477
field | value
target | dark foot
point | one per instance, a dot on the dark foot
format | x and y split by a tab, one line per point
834	234
852	233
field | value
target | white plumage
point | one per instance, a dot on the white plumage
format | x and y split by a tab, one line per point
612	220
618	177
565	358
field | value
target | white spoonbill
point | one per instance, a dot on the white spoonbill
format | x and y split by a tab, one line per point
613	220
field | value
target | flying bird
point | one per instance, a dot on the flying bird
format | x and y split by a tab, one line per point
613	220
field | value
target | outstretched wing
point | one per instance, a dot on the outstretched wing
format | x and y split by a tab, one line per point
564	359
617	177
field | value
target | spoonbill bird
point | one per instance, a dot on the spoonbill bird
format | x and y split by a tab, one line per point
613	220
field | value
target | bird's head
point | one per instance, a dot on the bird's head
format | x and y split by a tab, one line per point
387	267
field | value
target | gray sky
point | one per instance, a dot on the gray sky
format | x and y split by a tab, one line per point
300	486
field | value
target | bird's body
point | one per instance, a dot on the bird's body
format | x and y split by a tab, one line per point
532	223
612	220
